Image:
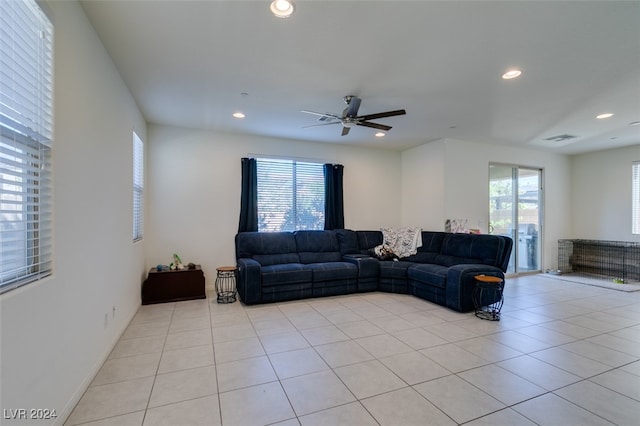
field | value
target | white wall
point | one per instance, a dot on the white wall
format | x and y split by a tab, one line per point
194	190
423	186
53	333
601	194
450	179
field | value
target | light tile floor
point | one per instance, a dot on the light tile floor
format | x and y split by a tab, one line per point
563	354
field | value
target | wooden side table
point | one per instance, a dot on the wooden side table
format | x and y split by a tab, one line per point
488	287
173	286
226	284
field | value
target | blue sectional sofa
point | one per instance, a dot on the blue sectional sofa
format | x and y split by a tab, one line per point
280	266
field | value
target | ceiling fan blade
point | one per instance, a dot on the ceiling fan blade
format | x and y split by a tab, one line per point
350	116
321	124
352	109
322	114
381	115
374	125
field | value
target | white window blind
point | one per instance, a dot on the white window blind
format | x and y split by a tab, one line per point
138	187
635	199
290	195
26	131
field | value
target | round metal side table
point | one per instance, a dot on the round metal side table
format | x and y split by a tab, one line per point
226	284
488	288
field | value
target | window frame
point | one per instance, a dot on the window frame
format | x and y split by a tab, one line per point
138	188
303	192
26	144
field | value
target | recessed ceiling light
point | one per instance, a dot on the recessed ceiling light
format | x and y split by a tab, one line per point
511	74
380	134
605	115
282	8
634	123
238	114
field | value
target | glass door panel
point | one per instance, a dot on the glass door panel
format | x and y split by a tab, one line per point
528	252
502	205
515	211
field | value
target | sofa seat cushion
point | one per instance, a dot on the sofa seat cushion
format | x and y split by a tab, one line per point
392	269
331	271
286	273
431	274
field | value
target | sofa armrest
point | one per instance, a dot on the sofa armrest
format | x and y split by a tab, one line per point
461	283
368	267
249	283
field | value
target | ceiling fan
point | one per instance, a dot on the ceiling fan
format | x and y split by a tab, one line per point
350	117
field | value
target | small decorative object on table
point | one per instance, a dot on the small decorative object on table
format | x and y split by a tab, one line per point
226	284
488	288
177	264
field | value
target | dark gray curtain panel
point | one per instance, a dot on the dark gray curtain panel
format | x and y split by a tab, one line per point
333	201
249	196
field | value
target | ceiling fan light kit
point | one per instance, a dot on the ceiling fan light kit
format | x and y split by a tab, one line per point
350	117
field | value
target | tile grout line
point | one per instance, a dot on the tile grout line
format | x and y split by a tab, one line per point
144	417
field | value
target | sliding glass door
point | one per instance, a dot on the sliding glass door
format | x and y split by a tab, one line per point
515	210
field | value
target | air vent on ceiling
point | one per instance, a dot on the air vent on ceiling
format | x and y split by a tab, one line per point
560	138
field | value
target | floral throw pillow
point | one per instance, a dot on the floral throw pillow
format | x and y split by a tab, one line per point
403	242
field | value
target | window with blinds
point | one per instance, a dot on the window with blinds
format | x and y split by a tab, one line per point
138	187
26	132
290	195
635	198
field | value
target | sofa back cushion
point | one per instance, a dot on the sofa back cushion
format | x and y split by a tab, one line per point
368	240
431	246
469	248
317	246
348	241
267	248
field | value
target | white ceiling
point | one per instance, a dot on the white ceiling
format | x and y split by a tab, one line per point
188	63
